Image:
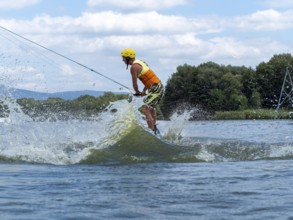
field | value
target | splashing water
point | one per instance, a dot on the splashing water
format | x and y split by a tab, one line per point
175	127
11	112
63	142
68	142
120	134
15	114
177	122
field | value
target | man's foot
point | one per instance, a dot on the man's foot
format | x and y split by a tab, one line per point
156	130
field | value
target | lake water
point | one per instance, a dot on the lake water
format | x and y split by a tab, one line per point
111	167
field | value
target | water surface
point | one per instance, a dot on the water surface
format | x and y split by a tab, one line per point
112	167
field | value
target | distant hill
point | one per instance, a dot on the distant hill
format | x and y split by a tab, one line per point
67	95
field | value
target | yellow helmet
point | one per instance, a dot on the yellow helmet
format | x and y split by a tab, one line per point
128	52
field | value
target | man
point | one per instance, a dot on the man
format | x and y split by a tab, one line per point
153	88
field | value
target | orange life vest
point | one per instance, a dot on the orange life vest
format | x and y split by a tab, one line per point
146	76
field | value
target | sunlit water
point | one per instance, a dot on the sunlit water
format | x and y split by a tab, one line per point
195	170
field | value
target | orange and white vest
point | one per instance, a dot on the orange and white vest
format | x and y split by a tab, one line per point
146	76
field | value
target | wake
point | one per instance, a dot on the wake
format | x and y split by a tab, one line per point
119	135
68	142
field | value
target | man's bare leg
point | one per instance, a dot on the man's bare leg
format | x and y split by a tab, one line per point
151	118
150	115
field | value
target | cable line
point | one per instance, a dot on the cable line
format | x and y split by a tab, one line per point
65	57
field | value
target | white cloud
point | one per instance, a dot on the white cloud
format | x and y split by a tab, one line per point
22	76
147	22
164	41
116	23
267	20
67	70
94	26
137	4
8	4
279	3
91	32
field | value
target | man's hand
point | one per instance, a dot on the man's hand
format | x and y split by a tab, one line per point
137	94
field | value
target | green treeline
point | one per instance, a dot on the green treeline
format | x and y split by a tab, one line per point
85	106
213	87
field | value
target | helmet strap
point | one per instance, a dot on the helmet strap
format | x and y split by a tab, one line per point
127	61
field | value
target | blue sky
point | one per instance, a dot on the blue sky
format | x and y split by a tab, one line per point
164	33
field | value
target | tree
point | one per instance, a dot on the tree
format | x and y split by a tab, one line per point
215	87
207	80
209	86
177	89
270	77
218	99
232	88
255	100
251	88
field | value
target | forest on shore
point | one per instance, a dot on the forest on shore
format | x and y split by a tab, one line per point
218	88
212	90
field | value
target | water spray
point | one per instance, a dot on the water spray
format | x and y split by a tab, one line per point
67	58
